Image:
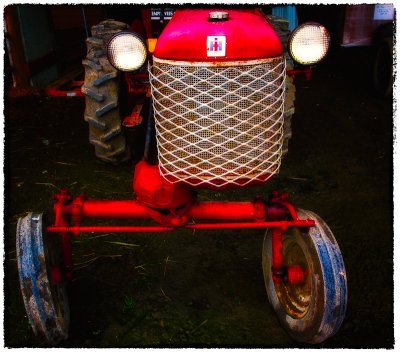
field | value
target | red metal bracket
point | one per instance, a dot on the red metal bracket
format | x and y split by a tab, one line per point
135	118
260	213
77	212
277	198
134	85
280	273
306	71
62	198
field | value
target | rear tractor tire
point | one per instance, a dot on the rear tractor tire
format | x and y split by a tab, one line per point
281	27
102	91
383	68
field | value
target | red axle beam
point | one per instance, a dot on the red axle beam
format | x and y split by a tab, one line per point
55	229
121	209
132	209
276	224
231	215
236	211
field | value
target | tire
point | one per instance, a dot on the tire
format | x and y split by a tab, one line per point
314	310
102	91
281	27
383	67
46	302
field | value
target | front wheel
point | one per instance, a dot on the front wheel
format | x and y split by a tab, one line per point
43	291
313	310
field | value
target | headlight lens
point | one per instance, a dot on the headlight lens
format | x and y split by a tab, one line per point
127	51
309	43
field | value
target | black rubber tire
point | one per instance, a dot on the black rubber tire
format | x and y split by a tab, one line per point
102	91
383	68
46	302
314	310
281	27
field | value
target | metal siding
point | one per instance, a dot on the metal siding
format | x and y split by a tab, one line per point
37	39
288	12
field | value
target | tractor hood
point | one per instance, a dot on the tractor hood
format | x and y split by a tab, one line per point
218	35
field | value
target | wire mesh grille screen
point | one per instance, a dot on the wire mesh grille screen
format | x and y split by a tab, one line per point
219	125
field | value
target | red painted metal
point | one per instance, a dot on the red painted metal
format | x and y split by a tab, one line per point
277	257
66	247
157	193
137	83
61	199
307	71
76	210
275	212
111	209
92	229
223	210
56	275
173	205
290	208
131	209
260	212
54	92
295	274
248	36
278	199
275	224
135	118
154	191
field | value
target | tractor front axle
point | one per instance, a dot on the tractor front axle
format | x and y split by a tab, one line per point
276	214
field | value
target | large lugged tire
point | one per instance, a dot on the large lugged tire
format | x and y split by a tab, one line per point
39	257
281	27
313	310
383	67
101	87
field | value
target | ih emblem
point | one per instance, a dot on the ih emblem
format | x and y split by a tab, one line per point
216	46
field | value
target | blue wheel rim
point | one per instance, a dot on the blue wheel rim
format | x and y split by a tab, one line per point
49	321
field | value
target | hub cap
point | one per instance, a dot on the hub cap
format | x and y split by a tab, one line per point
295	298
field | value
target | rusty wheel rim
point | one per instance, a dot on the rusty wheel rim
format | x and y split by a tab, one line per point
295	298
313	311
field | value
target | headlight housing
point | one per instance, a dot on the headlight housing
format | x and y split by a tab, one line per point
126	51
309	43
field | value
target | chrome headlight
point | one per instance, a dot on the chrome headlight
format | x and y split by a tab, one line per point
309	43
126	51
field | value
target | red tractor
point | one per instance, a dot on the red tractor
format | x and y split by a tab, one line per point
202	107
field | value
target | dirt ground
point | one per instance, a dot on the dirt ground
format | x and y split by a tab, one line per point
205	288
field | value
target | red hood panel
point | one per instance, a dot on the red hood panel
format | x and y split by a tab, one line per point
248	36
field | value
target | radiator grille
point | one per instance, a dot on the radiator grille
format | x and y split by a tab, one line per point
218	125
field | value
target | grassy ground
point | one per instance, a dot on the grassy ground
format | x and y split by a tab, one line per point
205	288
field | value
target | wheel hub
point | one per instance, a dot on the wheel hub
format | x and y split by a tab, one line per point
295	298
